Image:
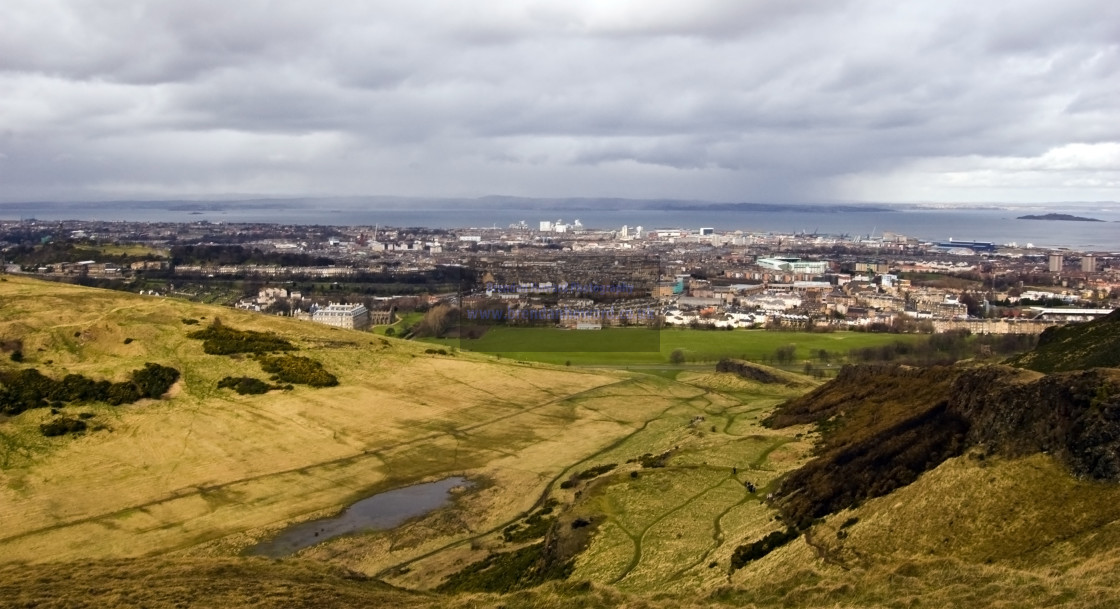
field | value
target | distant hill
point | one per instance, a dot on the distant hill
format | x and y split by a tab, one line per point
1058	217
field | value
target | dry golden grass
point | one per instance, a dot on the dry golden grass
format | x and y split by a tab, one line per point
204	464
194	478
994	533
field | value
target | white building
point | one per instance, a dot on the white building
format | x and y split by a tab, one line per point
350	316
795	265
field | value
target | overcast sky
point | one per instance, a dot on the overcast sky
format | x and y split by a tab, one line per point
736	100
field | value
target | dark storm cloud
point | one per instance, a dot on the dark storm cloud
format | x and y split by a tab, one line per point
719	99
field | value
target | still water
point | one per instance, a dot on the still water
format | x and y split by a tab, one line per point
381	511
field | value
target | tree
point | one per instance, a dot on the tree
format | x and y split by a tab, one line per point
785	354
973	305
435	322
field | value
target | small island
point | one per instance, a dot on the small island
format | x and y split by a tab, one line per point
1061	217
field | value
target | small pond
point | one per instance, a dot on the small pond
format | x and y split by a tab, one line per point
381	511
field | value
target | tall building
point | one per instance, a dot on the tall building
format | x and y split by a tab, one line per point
1089	264
1056	263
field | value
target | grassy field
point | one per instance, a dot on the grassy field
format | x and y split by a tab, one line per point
158	506
206	465
610	347
205	472
131	249
637	546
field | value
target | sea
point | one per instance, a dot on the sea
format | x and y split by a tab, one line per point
999	225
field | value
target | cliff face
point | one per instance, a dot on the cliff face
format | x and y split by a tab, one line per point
883	427
1074	416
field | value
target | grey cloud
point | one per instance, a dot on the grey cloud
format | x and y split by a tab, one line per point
715	98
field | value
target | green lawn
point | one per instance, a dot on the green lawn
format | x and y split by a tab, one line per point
404	321
603	347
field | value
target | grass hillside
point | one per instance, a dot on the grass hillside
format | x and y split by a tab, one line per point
905	487
1076	347
882	427
973	532
202	472
205	464
993	532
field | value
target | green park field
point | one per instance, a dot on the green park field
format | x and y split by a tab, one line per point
638	346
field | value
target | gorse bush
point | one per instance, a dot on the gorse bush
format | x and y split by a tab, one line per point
533	527
62	426
246	385
596	471
754	551
222	340
297	369
154	380
29	388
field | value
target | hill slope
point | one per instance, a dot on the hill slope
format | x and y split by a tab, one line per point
205	465
945	486
1076	346
883	427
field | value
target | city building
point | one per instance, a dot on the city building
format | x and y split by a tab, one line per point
350	316
795	265
1055	265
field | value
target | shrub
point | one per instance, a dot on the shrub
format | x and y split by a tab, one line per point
649	460
62	426
596	471
508	571
221	340
245	385
154	380
17	356
534	527
296	369
128	341
754	551
29	388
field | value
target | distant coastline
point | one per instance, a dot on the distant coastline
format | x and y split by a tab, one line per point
1058	217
